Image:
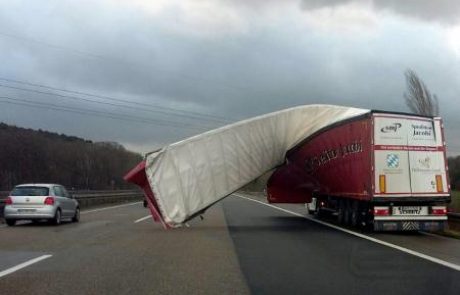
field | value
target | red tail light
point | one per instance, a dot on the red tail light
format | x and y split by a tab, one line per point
49	201
9	201
438	210
381	211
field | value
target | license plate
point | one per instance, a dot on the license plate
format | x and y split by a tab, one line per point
410	210
26	210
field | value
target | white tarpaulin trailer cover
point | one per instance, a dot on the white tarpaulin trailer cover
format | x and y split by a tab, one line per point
188	176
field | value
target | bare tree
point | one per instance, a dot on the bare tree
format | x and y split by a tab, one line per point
418	98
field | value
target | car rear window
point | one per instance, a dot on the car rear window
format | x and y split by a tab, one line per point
30	191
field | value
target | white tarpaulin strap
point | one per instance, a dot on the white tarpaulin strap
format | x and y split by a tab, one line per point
192	174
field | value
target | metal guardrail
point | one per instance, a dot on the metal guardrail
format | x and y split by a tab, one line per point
92	198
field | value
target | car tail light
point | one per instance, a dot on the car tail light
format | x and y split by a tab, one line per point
381	211
382	184
9	201
438	210
439	186
49	201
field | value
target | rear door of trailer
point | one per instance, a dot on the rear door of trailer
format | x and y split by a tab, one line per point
409	157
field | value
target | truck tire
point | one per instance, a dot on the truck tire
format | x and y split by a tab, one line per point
319	213
355	214
341	212
347	213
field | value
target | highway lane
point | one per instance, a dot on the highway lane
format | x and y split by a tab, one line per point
240	247
440	247
107	253
282	253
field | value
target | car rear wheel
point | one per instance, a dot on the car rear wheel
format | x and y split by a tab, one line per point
10	222
76	217
57	217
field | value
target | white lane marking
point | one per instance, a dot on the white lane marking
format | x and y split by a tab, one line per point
143	218
22	265
108	208
408	251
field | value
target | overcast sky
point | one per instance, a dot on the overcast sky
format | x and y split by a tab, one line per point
190	66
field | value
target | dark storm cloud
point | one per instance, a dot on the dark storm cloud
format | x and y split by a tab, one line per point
245	65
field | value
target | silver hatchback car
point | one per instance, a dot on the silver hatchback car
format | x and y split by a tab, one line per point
40	201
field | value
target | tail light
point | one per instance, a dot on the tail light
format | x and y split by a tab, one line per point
381	211
382	184
438	210
439	186
9	201
49	201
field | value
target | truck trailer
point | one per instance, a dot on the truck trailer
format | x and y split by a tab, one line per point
381	170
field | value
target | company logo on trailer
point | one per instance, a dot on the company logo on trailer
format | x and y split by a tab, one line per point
328	155
392	161
425	162
391	128
422	130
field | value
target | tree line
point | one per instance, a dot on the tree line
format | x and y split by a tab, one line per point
454	172
33	156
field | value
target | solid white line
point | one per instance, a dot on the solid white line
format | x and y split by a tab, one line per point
22	265
408	251
108	208
143	218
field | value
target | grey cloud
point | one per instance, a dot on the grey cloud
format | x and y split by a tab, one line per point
234	76
441	11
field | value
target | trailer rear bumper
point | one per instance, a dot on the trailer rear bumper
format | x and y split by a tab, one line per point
410	225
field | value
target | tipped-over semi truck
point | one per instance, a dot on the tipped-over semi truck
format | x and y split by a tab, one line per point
386	171
383	170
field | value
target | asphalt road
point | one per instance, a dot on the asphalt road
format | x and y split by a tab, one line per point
240	247
281	253
108	253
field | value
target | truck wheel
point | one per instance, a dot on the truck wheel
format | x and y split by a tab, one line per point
355	214
347	212
319	213
341	212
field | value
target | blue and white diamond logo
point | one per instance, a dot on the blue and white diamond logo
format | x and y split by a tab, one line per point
392	161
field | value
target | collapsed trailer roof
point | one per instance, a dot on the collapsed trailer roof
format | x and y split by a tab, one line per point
183	179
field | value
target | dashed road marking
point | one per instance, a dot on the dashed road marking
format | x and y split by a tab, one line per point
23	265
143	218
390	245
108	208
